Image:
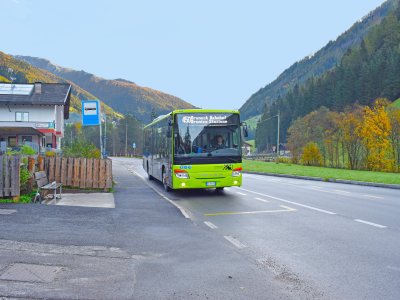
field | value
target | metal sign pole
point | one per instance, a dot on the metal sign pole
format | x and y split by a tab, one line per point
101	140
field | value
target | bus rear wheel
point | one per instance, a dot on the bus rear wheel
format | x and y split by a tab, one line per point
165	183
219	189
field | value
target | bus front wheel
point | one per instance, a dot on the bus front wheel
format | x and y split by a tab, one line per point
148	173
165	183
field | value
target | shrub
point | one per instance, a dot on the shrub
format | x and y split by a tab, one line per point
285	160
81	149
24	177
50	154
27	150
311	155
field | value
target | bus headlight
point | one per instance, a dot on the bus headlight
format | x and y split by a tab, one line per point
237	172
181	174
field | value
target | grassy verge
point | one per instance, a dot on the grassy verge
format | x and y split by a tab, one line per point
325	173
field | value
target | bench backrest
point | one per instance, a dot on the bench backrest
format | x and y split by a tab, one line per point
41	178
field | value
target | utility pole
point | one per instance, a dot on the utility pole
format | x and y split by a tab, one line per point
126	137
101	141
105	134
277	140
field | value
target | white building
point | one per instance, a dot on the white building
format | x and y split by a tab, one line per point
33	113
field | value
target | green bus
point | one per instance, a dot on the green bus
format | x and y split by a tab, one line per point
195	148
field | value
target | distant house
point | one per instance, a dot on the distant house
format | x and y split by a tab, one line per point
33	114
246	148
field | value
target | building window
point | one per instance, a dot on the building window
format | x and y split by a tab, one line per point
22	116
12	141
27	138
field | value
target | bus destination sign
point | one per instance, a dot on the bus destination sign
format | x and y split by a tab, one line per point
205	119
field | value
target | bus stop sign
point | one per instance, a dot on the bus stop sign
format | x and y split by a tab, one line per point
91	112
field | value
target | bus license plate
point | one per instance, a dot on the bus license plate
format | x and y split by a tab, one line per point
210	183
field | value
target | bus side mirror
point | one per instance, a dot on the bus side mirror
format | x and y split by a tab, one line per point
169	130
244	128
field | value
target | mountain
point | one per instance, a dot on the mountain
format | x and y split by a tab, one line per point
366	72
12	69
122	95
314	65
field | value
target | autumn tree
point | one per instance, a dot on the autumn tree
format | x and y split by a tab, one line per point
374	131
311	155
394	136
350	123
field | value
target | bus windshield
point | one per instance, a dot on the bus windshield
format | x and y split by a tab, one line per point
207	135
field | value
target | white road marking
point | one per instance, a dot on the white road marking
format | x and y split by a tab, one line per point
211	225
235	242
291	202
370	223
243	194
340	191
227	189
4	211
287	207
315	186
262	200
228	213
394	268
372	196
182	210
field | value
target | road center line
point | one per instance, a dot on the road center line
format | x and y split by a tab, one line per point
286	209
4	211
340	191
260	199
291	202
243	194
372	196
370	223
211	225
235	242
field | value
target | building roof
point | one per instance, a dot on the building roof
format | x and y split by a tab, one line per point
19	131
36	94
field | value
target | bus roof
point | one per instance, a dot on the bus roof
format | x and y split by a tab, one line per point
191	111
201	110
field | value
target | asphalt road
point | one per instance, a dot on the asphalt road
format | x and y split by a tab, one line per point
321	240
141	249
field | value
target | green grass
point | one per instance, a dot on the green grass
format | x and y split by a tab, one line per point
325	173
396	103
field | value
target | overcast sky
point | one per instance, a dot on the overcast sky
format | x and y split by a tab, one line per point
211	53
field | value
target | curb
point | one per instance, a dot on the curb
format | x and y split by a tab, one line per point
363	183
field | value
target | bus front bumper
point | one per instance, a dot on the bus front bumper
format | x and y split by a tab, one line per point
206	183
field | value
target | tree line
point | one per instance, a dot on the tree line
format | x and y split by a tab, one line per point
359	138
365	73
118	138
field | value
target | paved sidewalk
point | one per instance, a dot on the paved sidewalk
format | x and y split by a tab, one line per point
142	249
102	200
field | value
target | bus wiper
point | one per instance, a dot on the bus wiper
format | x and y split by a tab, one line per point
231	159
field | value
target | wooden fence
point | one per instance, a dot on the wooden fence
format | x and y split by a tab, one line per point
78	172
9	176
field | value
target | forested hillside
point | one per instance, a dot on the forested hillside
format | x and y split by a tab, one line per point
22	72
122	95
366	72
315	65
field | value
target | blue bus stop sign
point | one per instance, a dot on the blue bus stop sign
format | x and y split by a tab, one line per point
91	112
